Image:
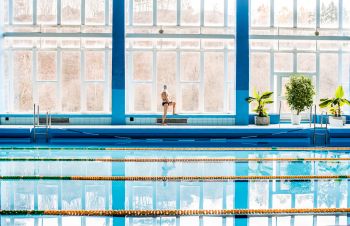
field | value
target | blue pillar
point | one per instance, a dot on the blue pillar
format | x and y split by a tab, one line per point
118	192
118	63
242	62
2	87
241	191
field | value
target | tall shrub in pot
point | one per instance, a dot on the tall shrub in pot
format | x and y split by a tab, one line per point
299	94
261	100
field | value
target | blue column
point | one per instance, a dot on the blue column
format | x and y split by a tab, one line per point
241	191
118	192
242	62
2	90
118	63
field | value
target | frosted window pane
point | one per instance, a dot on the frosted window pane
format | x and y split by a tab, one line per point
283	62
232	13
47	65
71	11
329	13
231	67
260	12
95	11
71	81
214	82
306	14
47	11
346	77
283	13
142	66
167	10
6	12
22	11
94	95
166	75
142	97
190	97
143	12
190	66
306	62
328	74
346	14
214	12
95	65
190	12
22	72
48	97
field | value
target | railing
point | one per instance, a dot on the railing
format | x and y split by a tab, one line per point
36	123
325	132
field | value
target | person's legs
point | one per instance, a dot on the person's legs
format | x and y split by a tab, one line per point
173	104
165	106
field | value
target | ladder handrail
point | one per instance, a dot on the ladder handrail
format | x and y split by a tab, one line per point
36	122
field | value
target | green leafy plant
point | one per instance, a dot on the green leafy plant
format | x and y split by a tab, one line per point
261	100
335	104
299	93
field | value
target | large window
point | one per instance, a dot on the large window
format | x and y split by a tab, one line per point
283	42
188	45
56	54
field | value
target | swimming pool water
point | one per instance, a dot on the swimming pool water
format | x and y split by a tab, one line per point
54	193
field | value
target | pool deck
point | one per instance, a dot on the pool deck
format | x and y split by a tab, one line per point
283	135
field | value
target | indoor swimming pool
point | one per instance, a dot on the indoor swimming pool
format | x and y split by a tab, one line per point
174	186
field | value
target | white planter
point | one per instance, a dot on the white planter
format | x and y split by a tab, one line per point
296	119
337	121
262	121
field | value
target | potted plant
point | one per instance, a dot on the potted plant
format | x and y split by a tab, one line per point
262	118
299	95
335	104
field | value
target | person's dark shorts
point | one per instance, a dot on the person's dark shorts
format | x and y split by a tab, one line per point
164	103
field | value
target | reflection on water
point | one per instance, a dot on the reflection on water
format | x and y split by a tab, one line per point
148	195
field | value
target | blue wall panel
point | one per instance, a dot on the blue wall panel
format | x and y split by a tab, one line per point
118	63
242	61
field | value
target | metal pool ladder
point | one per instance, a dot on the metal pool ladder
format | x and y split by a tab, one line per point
37	125
320	131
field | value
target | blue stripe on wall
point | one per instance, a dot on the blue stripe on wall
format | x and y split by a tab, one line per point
118	63
242	61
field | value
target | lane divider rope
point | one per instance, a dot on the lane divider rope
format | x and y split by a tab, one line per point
180	148
153	213
171	159
179	178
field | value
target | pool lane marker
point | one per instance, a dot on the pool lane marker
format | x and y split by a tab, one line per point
180	178
189	160
155	213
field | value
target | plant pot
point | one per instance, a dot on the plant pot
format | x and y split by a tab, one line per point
337	121
296	119
262	121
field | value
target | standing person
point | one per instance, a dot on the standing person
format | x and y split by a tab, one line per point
166	102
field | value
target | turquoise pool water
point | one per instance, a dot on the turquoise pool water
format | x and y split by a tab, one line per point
60	189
